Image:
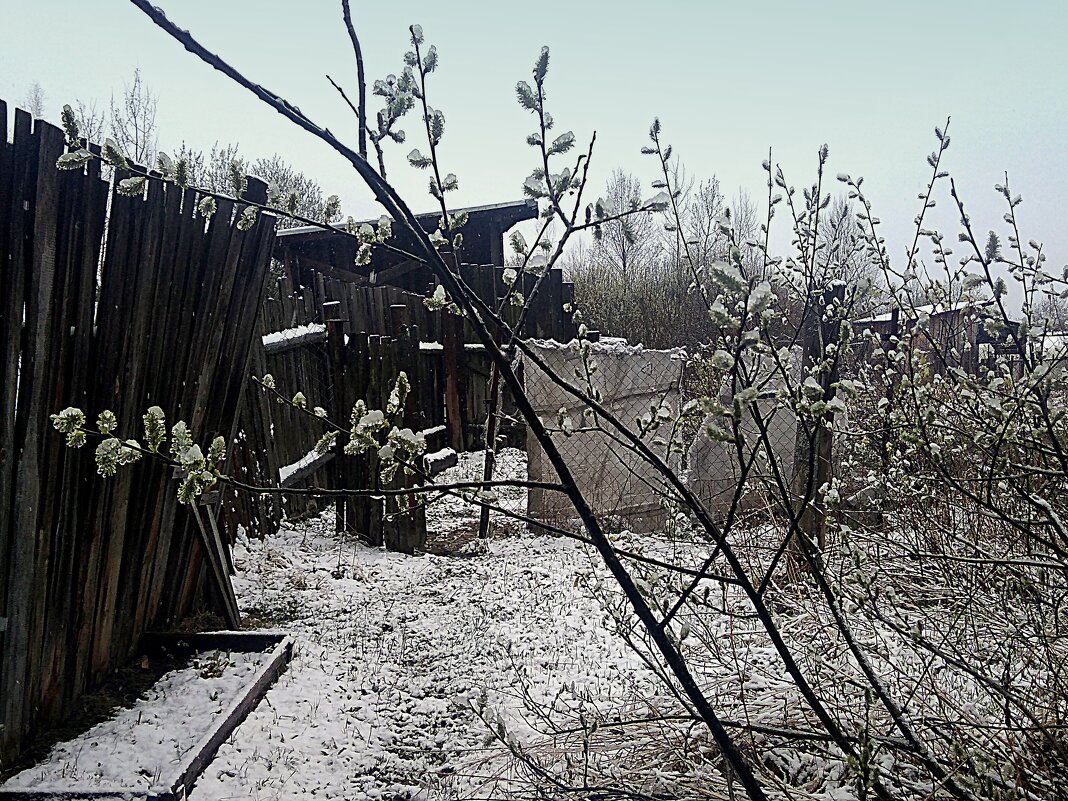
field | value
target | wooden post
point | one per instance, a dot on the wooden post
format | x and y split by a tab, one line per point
255	190
813	449
404	531
888	346
359	470
490	458
452	353
398	318
335	339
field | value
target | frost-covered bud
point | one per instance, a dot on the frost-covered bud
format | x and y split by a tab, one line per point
718	434
106	422
332	209
836	406
812	389
112	453
761	297
112	155
402	446
518	243
192	458
165	164
70	125
155	428
326	442
196	482
437	300
70	422
722	360
319	411
564	422
181	173
517	299
207	206
131	187
418	160
247	219
181	440
364	425
237	179
363	255
830	494
217	450
399	394
718	314
300	401
509	276
743	399
74	160
107	456
131	451
268	381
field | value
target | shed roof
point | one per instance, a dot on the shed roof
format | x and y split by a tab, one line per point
504	215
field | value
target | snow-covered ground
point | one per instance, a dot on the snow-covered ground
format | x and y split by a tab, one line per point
502	666
141	746
394	655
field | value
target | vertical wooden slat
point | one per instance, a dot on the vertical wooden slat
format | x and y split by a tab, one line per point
10	323
30	547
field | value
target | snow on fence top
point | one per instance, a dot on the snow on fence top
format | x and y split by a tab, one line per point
292	337
607	346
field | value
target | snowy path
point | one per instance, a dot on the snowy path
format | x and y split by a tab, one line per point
391	653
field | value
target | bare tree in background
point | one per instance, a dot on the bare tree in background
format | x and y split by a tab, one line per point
288	186
843	253
133	121
212	169
91	120
626	246
701	224
1053	312
34	100
744	221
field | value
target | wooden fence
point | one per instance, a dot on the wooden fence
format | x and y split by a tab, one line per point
333	370
364	306
164	318
460	368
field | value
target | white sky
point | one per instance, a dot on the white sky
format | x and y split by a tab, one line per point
729	80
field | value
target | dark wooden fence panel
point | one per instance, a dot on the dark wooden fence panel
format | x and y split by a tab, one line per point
274	437
166	318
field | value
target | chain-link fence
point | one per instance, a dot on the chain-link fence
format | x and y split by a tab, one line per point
725	472
645	390
640	389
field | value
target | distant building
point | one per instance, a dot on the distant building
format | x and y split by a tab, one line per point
311	248
967	335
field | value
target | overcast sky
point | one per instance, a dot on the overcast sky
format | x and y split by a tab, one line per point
728	80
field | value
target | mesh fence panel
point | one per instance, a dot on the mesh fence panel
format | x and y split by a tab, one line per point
636	385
